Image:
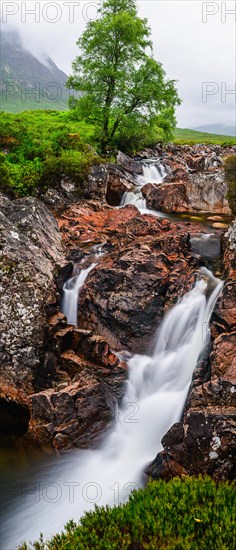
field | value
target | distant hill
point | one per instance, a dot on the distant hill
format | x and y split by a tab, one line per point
219	129
186	136
27	83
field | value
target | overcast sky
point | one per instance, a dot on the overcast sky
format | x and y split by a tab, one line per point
190	38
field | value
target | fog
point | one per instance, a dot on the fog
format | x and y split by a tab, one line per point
195	42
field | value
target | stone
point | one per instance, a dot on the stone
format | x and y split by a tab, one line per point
169	197
31	253
120	180
129	164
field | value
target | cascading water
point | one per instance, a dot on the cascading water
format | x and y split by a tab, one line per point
153	172
71	290
155	396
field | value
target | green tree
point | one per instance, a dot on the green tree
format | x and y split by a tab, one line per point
118	76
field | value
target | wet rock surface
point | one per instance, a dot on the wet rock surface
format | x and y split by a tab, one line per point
148	266
31	253
205	442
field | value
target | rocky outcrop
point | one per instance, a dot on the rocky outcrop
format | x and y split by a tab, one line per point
169	197
68	192
148	266
120	180
204	443
31	253
198	193
78	410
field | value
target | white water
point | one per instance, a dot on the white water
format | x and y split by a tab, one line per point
153	172
155	396
71	291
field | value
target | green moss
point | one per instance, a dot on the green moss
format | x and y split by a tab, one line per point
184	514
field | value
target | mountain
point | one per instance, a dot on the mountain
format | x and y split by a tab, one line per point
26	82
220	129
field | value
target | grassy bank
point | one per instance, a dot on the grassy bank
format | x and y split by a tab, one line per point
188	514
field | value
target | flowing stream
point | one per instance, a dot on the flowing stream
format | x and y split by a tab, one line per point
154	400
153	172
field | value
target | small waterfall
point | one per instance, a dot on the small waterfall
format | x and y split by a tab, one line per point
71	291
134	197
153	172
155	396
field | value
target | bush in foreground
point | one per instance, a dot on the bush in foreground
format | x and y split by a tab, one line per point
184	514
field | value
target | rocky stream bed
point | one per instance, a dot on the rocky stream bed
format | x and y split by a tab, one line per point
60	384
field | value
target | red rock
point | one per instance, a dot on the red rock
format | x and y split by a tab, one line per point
169	197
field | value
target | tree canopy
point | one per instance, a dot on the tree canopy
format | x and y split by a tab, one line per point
125	92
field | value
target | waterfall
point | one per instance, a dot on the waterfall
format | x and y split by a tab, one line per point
71	291
134	197
154	400
153	172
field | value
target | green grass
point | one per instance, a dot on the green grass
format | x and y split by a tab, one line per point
183	514
37	148
190	137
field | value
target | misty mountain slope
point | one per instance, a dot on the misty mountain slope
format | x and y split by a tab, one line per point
26	82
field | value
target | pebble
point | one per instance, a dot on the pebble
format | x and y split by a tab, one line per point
220	225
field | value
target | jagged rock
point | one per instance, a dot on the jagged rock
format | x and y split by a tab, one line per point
73	417
200	194
194	182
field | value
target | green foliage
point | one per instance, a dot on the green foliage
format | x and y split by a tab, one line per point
39	148
230	176
184	514
123	85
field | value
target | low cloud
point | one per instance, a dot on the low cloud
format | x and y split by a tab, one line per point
192	51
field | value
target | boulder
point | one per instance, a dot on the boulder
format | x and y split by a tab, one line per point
169	197
31	253
119	181
129	164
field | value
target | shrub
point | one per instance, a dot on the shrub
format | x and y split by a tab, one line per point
184	514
